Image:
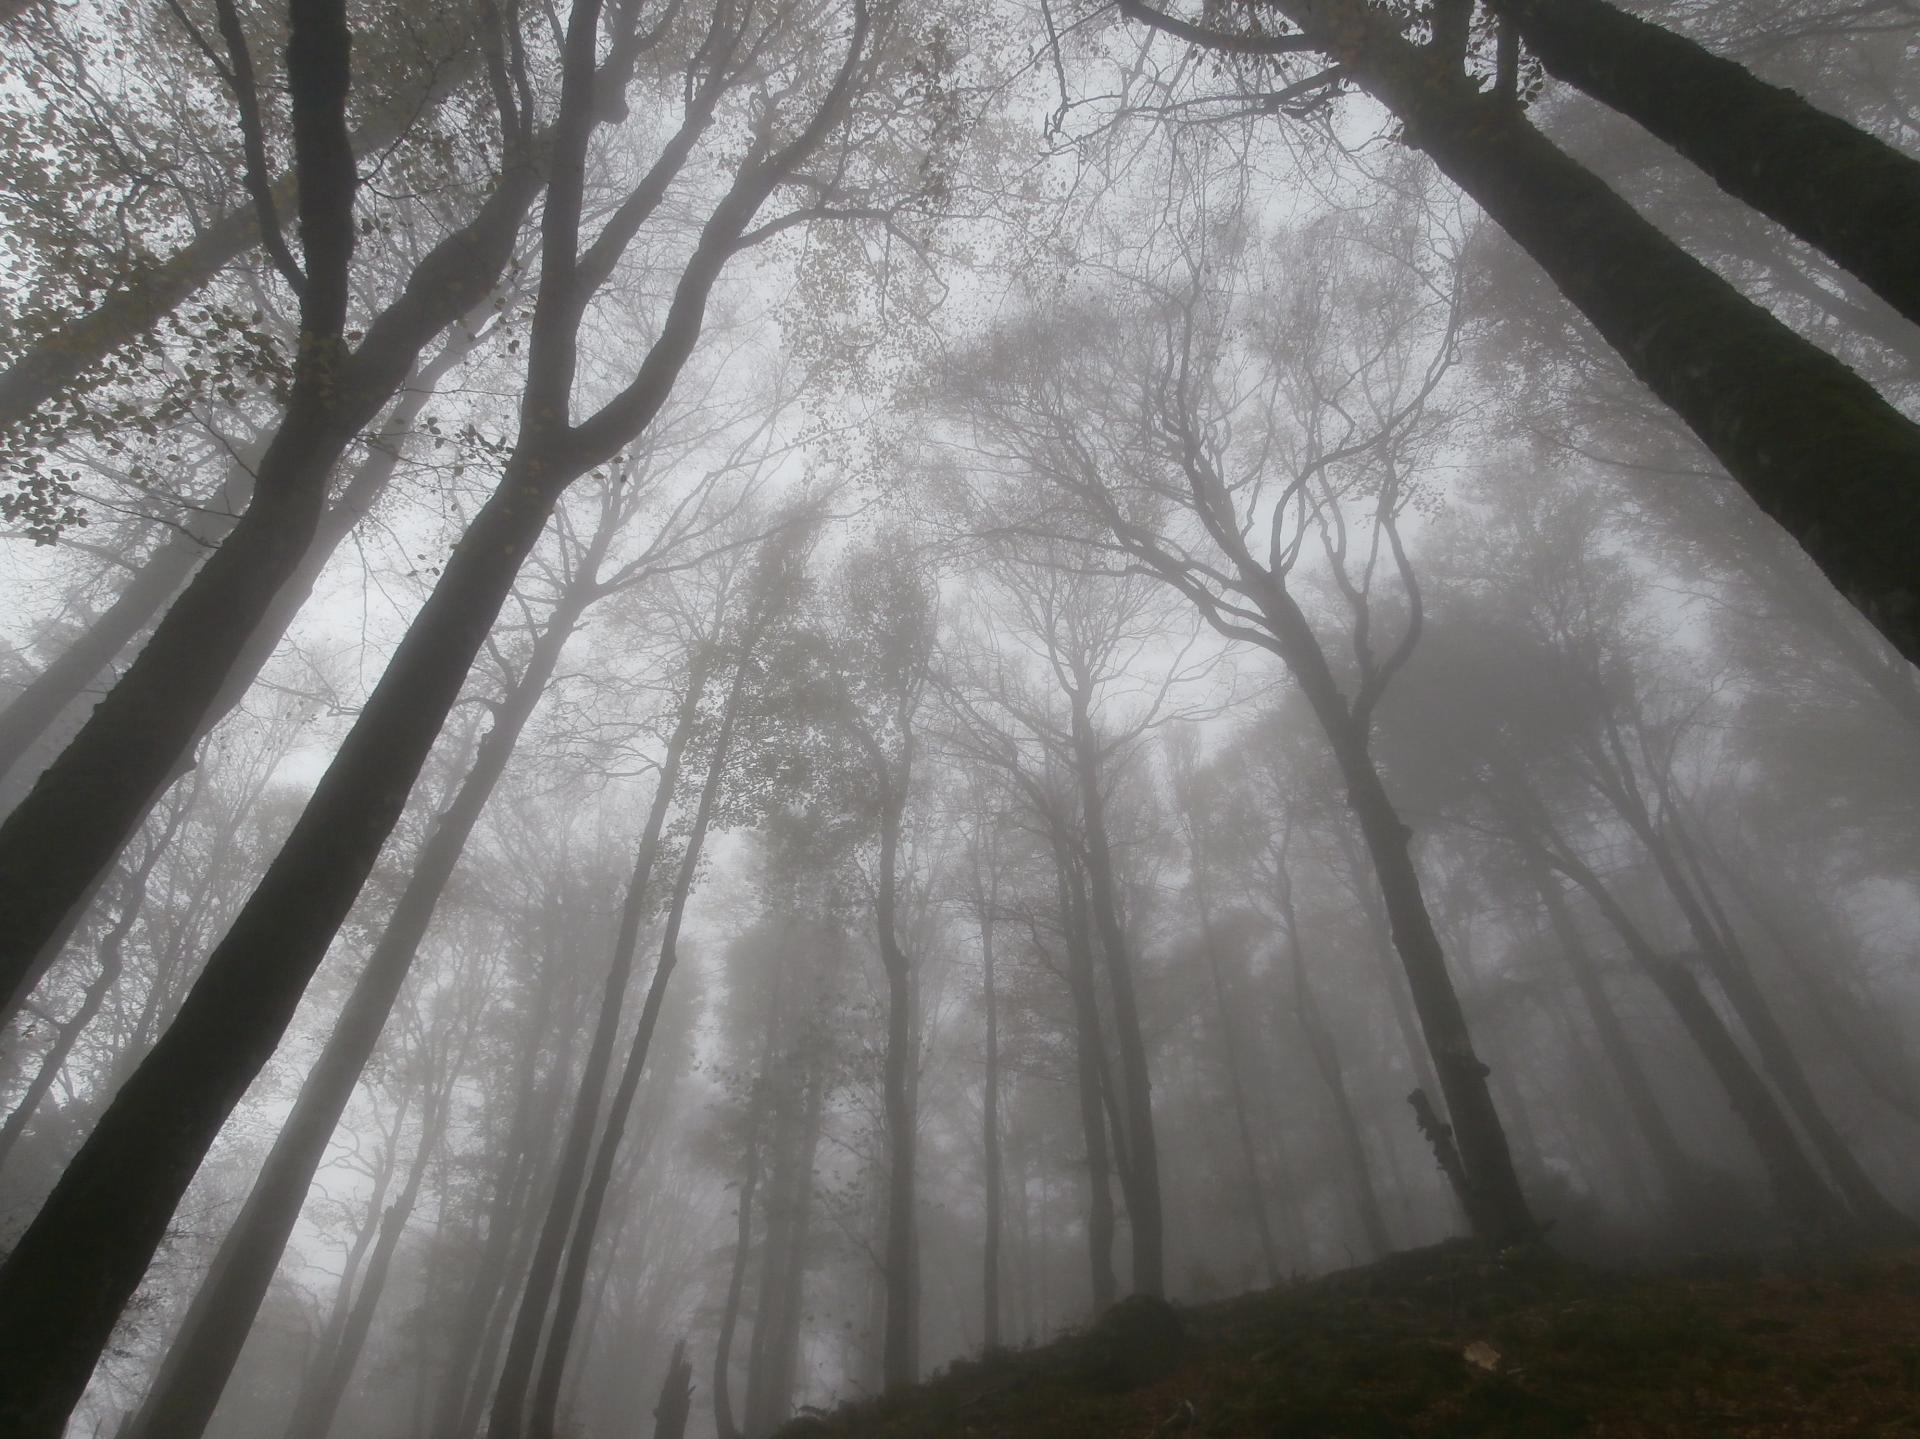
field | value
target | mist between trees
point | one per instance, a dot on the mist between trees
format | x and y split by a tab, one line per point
706	703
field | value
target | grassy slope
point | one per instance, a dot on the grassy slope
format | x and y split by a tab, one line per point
1449	1341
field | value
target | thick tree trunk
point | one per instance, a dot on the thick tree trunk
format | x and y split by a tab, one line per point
203	1353
1497	1209
157	579
676	1397
530	1320
1838	188
1144	1211
112	959
74	820
593	1195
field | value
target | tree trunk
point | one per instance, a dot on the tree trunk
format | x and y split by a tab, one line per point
507	1424
571	1169
1809	441
1230	1061
1680	1177
314	1416
112	961
158	577
736	1282
203	1354
1093	1117
1837	187
899	1335
74	820
1326	1060
990	1133
676	1397
1803	1196
1143	1160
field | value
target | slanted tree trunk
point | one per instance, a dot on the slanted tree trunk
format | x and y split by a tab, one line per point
593	1195
676	1396
1809	441
112	960
1798	1188
575	1152
203	1354
1680	1177
1326	1061
148	588
1837	187
314	1415
74	820
512	1175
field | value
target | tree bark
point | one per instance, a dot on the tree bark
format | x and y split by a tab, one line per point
1840	189
208	1344
1811	443
69	826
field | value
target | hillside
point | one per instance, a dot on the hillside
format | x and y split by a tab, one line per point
1450	1341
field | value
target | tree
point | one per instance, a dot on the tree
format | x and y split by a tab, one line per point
1783	416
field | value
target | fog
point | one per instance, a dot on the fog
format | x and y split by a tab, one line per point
789	690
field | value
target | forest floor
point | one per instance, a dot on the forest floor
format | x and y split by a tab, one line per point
1453	1341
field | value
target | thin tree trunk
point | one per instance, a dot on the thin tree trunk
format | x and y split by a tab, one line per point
1680	1177
1803	1196
516	1163
899	1335
112	960
155	581
990	1129
1143	1160
593	1196
736	1282
792	1309
1837	187
315	1414
1326	1060
522	1349
1230	1061
1093	1117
